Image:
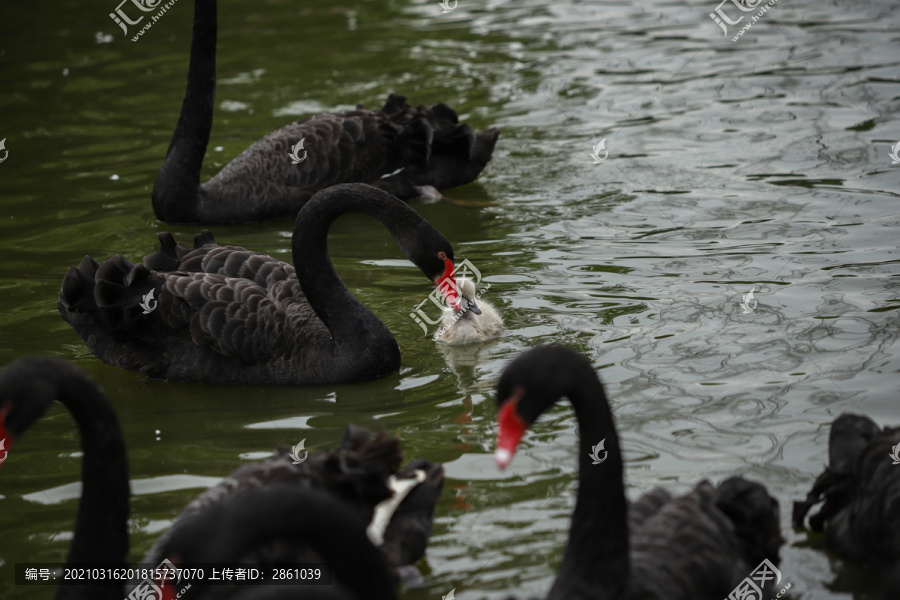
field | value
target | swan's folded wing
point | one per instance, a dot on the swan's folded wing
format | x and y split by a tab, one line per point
208	257
700	545
233	316
396	148
354	146
642	509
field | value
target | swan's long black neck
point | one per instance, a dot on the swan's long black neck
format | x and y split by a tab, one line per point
176	193
331	528
101	527
596	563
363	347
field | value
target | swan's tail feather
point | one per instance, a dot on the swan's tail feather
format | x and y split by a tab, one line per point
445	116
440	151
111	294
121	291
358	470
394	106
203	238
382	454
372	464
755	516
78	286
484	146
171	253
168	255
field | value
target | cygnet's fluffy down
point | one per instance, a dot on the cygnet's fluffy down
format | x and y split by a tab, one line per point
475	321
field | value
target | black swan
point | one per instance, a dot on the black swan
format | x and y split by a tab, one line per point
398	148
698	546
472	321
326	524
222	314
27	388
860	488
360	473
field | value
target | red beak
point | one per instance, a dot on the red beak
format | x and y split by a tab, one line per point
6	439
512	428
165	585
446	282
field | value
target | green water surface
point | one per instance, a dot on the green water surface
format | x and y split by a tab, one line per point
758	164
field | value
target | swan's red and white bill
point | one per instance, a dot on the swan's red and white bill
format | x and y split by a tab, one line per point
446	283
511	429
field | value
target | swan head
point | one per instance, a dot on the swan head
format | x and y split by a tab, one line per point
429	250
27	390
420	242
530	385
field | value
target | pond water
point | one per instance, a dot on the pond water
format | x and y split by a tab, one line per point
761	164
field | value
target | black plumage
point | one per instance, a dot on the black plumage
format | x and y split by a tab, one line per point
357	475
397	148
223	314
357	472
28	386
860	493
326	524
697	546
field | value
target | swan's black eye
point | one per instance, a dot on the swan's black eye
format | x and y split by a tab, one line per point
442	255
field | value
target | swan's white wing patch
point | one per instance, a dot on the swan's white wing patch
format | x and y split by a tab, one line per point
386	509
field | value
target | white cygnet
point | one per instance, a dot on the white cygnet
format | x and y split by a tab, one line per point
475	321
